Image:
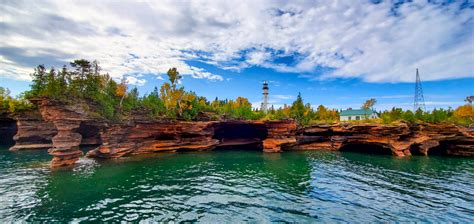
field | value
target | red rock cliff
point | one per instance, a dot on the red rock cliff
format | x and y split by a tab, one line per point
280	133
33	132
67	119
139	137
72	127
401	139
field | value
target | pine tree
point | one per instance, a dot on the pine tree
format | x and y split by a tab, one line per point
297	110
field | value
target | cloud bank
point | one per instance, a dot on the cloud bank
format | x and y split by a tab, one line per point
376	41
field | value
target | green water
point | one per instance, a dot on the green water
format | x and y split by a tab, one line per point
236	186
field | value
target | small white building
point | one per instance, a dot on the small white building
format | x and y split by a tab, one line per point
356	115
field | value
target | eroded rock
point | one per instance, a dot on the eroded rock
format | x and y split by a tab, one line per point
401	139
33	132
156	136
63	128
67	120
280	133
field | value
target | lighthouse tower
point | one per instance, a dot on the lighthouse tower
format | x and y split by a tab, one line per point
265	97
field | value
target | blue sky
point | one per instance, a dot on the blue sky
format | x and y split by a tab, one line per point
336	53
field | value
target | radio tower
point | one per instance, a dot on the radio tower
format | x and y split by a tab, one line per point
265	97
419	99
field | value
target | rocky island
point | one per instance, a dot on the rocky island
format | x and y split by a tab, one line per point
305	111
113	122
63	129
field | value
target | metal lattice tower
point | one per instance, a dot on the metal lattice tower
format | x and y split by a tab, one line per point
419	99
265	97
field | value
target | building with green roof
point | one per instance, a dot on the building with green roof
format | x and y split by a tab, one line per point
355	115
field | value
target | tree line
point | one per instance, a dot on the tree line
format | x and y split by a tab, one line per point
84	82
462	115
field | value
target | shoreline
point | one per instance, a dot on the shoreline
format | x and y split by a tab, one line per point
64	128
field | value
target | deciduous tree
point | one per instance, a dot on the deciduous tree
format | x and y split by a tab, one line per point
369	104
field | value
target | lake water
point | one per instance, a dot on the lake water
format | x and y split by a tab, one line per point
236	186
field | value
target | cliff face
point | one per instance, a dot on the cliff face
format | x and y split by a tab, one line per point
399	140
33	132
443	139
139	137
280	133
67	120
63	128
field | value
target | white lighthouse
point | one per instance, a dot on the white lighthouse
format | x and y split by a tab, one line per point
265	97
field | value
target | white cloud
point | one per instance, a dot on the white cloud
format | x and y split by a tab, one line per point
258	57
135	81
199	73
361	40
10	69
282	97
277	100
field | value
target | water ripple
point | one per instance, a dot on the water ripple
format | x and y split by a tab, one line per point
238	186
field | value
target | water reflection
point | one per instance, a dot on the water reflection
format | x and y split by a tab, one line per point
172	183
239	186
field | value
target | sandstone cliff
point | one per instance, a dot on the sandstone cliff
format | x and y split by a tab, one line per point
33	132
280	133
140	137
63	128
399	140
67	119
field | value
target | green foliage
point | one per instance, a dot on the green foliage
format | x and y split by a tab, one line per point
281	113
462	115
409	116
241	108
324	114
298	111
9	104
174	77
83	82
178	102
131	100
153	103
304	114
418	114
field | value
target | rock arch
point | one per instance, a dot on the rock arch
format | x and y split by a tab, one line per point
240	134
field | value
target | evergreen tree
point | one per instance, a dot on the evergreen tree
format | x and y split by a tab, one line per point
39	81
298	109
81	73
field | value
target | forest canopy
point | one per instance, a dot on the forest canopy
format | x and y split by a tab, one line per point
83	81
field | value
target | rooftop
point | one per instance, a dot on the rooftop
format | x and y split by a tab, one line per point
357	112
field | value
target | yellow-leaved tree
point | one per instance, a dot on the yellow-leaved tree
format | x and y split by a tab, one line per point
465	114
121	90
368	104
176	100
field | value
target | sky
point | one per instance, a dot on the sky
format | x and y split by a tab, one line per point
335	53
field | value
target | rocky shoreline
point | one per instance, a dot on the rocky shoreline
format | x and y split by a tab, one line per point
63	129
